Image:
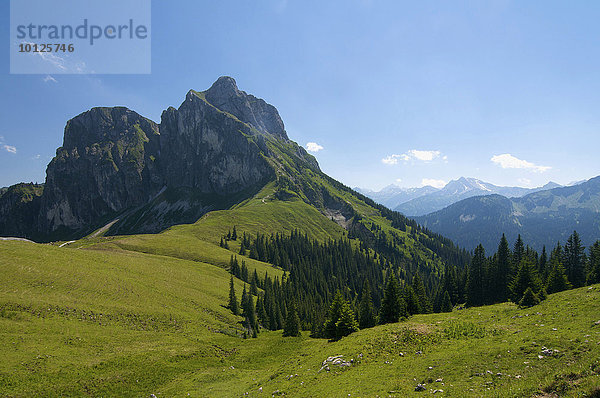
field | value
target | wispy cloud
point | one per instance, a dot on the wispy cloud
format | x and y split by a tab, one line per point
413	154
508	161
433	183
9	148
313	147
51	58
49	78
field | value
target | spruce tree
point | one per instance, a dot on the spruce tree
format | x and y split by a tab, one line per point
446	303
529	299
593	274
233	303
335	311
450	283
574	260
543	263
261	312
419	288
392	306
249	312
501	279
366	314
244	271
476	278
346	323
526	277
413	306
292	322
234	234
518	254
557	278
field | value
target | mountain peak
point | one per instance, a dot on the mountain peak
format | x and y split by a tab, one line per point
223	89
225	96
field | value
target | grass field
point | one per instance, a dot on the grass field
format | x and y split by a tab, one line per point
104	321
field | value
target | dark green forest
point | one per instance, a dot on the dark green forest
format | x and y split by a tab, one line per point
334	288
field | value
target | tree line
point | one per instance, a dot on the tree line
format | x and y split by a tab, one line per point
336	287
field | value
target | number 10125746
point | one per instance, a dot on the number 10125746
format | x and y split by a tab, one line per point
46	48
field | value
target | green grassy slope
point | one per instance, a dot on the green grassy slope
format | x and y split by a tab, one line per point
103	321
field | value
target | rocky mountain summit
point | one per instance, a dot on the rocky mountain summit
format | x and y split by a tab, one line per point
219	146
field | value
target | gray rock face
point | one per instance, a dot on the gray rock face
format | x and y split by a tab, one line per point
205	148
108	162
211	151
225	96
19	207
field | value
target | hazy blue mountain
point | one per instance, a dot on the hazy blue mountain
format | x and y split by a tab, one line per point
393	195
460	189
542	218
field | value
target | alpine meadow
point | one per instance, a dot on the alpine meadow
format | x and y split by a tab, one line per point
202	251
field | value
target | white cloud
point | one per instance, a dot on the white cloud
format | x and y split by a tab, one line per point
36	157
398	179
392	159
508	161
49	78
413	154
433	183
313	147
10	148
426	156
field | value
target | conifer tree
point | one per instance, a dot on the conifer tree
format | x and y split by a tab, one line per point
419	288
450	283
249	312
253	286
476	278
543	262
346	323
261	313
244	273
366	314
292	322
501	278
518	254
529	299
557	278
244	301
526	277
233	303
574	260
234	234
234	266
393	306
335	311
413	306
446	303
593	274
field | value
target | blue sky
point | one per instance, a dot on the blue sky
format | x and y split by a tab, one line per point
394	92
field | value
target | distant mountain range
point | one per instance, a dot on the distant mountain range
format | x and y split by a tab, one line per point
542	218
393	196
420	201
